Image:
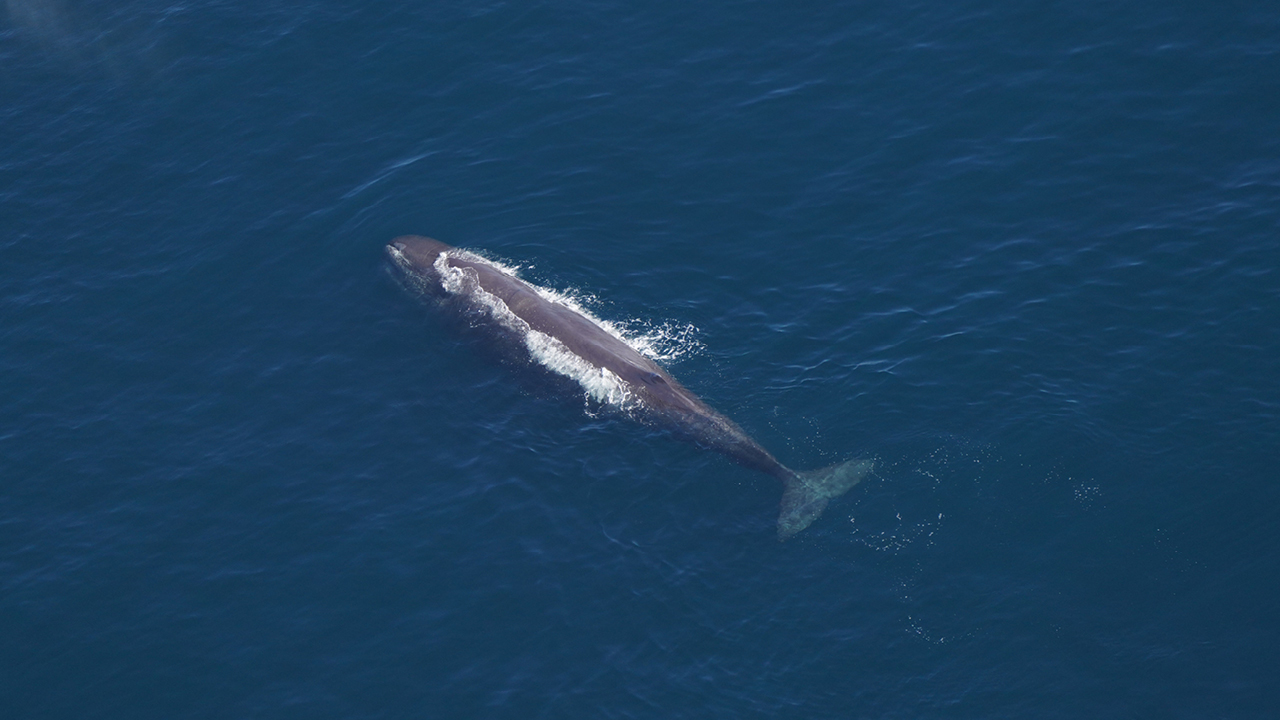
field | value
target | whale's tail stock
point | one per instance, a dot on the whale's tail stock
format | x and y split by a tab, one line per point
806	494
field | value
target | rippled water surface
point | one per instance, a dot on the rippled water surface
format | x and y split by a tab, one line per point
1025	255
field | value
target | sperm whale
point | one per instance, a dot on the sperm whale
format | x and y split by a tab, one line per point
567	341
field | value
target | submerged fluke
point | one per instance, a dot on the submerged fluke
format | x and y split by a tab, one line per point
807	493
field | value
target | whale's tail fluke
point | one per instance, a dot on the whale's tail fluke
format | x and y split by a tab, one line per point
806	494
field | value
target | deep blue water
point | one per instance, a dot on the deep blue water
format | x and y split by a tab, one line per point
1025	254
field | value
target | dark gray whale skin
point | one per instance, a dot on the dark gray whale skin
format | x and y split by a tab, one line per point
662	400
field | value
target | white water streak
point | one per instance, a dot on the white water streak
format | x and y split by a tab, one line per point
599	384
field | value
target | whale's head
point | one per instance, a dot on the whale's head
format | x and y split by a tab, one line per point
413	261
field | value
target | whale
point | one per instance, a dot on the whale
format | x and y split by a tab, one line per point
569	342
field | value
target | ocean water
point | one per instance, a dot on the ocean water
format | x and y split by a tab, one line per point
1024	254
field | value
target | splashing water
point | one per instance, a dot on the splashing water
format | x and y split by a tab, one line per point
665	341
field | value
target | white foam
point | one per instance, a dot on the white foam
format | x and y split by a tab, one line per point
599	384
667	342
663	342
